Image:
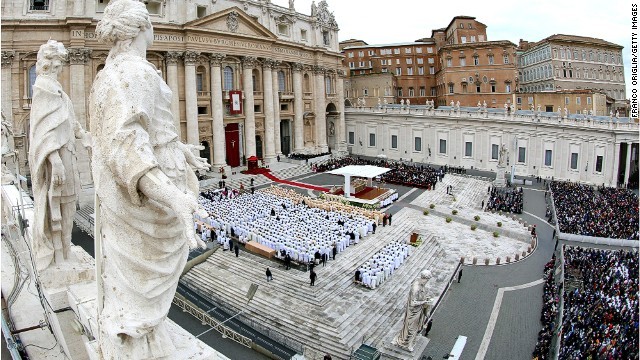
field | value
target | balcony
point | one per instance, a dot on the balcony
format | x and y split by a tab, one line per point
285	95
204	94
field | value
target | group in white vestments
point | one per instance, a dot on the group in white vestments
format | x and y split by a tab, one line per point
381	265
286	225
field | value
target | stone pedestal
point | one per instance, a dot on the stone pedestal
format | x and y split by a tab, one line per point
391	351
500	180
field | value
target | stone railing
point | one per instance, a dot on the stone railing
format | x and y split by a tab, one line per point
538	117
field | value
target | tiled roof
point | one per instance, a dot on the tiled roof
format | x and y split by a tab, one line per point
576	38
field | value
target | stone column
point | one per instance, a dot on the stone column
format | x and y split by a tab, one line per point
217	111
191	96
298	109
269	132
171	59
627	164
276	110
341	127
616	164
248	63
321	118
7	106
78	58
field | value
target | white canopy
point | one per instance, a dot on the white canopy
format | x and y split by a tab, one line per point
365	171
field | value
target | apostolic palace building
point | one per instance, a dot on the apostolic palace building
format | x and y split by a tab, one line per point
248	77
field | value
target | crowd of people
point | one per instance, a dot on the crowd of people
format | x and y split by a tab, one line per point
297	156
407	174
290	227
548	317
381	265
603	212
600	319
506	199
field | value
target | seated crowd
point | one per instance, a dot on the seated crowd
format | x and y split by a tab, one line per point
600	319
414	175
285	225
549	313
606	212
381	265
507	200
296	156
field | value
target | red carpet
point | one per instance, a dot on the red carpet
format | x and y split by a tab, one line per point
293	183
256	171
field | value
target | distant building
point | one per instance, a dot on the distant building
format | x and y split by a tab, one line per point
370	89
473	69
576	101
569	62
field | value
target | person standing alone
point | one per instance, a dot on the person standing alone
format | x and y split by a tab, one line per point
313	277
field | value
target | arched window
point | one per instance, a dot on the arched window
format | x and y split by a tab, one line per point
32	79
255	75
327	85
228	78
200	79
281	83
100	67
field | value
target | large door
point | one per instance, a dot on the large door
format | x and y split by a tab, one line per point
206	152
232	143
259	146
285	137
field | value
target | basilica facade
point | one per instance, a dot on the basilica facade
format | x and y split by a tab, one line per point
249	78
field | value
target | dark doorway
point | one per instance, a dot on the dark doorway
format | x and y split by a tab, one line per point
232	143
259	146
206	152
549	108
285	137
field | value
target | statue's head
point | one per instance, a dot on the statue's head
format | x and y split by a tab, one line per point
51	56
425	274
122	20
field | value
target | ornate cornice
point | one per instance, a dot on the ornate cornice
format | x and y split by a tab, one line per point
216	59
7	57
79	56
172	57
249	62
318	70
297	66
191	57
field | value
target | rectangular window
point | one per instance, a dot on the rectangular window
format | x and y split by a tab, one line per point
478	88
352	65
443	146
203	110
505	59
468	149
410	71
360	53
463	39
566	100
199	82
493	88
407	50
473	38
432	70
463	62
411	92
449	62
431	61
325	38
399	92
494	151
433	91
599	160
420	61
365	92
450	88
409	61
588	100
430	50
303	36
574	161
201	11
417	144
578	100
396	51
394	141
519	100
423	91
372	139
398	71
283	29
508	88
352	137
476	61
490	59
522	154
420	70
419	50
361	64
351	54
548	156
371	52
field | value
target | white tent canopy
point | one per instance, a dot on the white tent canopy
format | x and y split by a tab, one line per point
365	171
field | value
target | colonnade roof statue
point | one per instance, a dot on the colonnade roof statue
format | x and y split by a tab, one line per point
52	159
146	186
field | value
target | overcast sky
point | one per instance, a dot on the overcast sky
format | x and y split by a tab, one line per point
389	21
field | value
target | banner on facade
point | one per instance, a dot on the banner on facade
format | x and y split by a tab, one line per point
235	99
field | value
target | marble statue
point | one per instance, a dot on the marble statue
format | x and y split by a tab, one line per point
291	5
484	105
566	112
416	312
408	102
314	8
384	101
458	105
147	188
617	114
559	110
52	159
379	102
402	102
611	113
452	103
512	108
506	107
7	150
539	107
531	107
502	156
479	104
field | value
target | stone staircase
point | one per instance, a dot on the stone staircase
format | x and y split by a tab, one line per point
468	191
259	180
334	315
